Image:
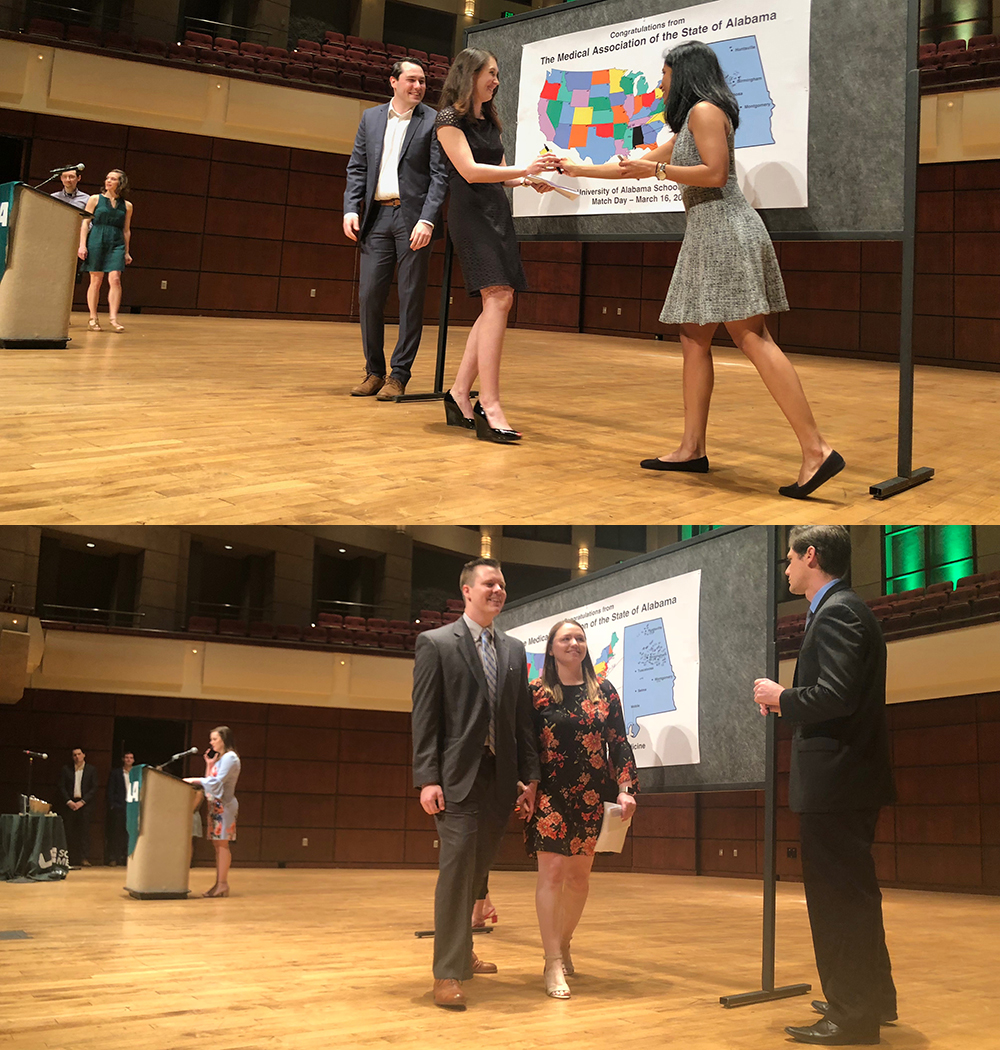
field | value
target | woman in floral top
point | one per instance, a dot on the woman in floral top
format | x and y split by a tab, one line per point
586	760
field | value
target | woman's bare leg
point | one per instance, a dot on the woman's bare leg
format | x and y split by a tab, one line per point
698	381
114	294
782	382
482	356
94	293
223	859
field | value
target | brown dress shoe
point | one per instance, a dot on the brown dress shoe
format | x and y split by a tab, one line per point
448	993
479	966
393	388
371	385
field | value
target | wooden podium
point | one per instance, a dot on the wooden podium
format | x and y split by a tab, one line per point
160	864
38	270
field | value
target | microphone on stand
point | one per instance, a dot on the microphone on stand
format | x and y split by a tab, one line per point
36	754
67	167
181	754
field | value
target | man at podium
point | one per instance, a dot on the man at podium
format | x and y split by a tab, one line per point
71	192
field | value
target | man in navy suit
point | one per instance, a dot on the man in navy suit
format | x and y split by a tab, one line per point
840	776
396	184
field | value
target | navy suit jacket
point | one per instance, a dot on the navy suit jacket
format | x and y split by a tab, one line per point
840	750
423	177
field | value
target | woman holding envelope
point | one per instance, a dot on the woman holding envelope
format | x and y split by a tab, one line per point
482	230
586	760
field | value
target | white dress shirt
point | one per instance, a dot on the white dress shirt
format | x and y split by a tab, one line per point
78	783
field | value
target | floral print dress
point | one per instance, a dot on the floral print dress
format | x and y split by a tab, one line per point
576	739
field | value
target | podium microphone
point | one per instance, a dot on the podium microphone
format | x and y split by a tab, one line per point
184	754
36	754
67	167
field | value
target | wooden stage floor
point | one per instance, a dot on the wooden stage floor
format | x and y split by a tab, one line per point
185	419
327	958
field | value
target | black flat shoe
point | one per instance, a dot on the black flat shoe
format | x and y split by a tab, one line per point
830	467
487	433
826	1033
821	1007
690	466
454	416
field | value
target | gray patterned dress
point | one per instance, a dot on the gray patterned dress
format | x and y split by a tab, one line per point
726	269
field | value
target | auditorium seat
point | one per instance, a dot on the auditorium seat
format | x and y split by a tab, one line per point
368	639
146	45
261	629
327	62
950	45
932	77
236	628
202	624
334	50
339	635
440	60
374	85
358	54
326	619
119	42
225	43
350	81
212	58
356	41
350	65
355	621
298	71
396	51
270	67
251	49
377	623
399	626
332	37
288	632
46	27
417	53
196	39
315	634
237	61
389	640
278	54
454	605
410	642
83	35
307	45
182	53
976	43
450	617
926	50
988	605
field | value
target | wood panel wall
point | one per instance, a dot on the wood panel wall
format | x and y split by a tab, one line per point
341	779
244	229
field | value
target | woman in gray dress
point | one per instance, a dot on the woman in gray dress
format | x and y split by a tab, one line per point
222	770
726	272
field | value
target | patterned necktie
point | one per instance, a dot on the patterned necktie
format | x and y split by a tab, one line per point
490	669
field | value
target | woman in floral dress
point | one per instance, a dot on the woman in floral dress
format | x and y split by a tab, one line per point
222	770
586	760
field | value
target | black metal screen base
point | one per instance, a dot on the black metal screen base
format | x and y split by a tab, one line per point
430	933
171	896
893	486
764	995
431	395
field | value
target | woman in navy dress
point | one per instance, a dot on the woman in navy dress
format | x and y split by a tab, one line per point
482	230
104	245
586	761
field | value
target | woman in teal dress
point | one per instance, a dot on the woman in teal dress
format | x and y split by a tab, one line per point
104	244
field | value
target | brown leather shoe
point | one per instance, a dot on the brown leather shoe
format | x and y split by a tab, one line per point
448	993
371	385
393	388
479	966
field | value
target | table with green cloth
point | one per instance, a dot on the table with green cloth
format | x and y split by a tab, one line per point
32	847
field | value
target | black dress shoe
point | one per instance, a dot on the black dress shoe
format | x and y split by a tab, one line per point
487	433
690	466
826	1033
454	416
821	1008
830	467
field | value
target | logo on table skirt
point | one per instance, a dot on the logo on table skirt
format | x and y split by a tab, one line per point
59	857
133	791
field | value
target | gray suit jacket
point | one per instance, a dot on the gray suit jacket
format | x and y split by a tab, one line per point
423	178
840	750
451	713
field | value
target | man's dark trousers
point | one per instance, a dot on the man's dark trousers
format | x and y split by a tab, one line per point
469	835
386	243
845	915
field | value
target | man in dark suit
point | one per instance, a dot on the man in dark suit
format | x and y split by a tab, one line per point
840	777
77	788
396	184
117	790
473	740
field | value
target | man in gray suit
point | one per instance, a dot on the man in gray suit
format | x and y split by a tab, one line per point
473	741
840	776
396	184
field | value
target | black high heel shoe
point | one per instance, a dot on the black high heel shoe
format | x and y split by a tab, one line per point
454	416
487	433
